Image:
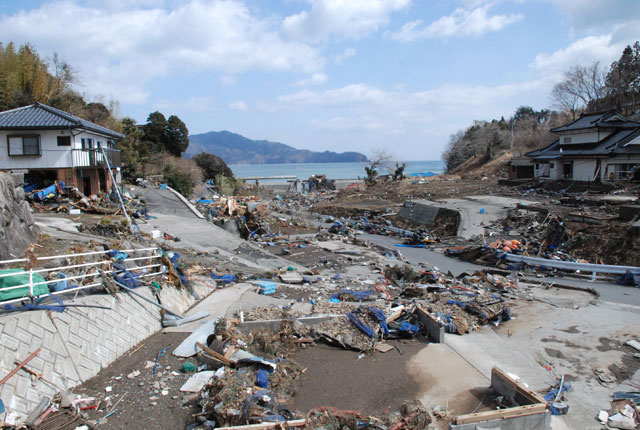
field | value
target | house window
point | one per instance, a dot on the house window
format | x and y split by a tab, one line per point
552	166
24	145
111	144
64	140
567	140
87	143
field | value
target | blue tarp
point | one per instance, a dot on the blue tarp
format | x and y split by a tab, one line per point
227	278
422	174
353	317
52	189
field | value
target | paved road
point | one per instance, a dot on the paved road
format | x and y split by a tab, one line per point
620	294
175	218
477	212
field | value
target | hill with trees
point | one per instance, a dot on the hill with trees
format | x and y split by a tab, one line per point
583	89
236	149
155	147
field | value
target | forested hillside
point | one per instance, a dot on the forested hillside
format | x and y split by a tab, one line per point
583	89
237	149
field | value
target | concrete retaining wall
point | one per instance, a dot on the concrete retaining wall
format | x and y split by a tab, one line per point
94	337
427	214
17	229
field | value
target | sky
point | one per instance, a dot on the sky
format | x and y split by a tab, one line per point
399	76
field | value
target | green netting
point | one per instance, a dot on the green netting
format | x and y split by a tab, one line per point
20	278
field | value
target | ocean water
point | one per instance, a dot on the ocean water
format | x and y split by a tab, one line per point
331	170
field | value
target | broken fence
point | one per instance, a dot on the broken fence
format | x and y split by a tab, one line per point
148	254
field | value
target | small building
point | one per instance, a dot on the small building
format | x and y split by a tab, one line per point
521	168
53	145
600	146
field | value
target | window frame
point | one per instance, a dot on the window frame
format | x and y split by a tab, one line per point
22	137
86	143
68	138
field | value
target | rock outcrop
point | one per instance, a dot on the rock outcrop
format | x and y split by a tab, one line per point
17	228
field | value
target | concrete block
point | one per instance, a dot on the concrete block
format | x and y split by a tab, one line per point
57	347
36	364
434	330
23	351
22	385
94	330
34	327
47	371
45	322
9	342
7	390
84	323
36	342
47	340
63	329
10	323
74	326
75	340
23	336
84	335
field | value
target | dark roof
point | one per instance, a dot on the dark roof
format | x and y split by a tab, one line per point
39	116
608	119
612	144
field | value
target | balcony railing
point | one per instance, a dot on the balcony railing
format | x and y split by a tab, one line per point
95	158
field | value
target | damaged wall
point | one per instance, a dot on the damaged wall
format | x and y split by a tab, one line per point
17	228
95	338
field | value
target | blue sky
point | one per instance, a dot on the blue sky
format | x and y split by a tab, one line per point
340	75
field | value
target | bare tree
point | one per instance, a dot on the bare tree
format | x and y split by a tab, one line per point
580	87
379	159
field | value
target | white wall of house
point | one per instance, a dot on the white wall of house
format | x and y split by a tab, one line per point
548	170
51	155
583	170
584	137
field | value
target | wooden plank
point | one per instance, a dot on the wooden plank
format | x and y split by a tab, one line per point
521	388
518	411
532	208
213	353
285	424
396	314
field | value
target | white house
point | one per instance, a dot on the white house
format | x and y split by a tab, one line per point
600	146
53	145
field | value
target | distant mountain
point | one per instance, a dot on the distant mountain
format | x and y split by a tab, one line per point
236	149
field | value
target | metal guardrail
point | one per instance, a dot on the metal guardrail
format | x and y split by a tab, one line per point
94	271
96	158
569	265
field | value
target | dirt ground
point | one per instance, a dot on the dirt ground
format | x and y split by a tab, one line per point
375	383
140	401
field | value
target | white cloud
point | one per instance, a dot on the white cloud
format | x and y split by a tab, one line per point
348	19
583	52
345	55
461	23
117	50
239	105
228	80
366	108
588	15
192	104
315	79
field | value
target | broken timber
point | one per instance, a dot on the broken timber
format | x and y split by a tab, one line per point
532	404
